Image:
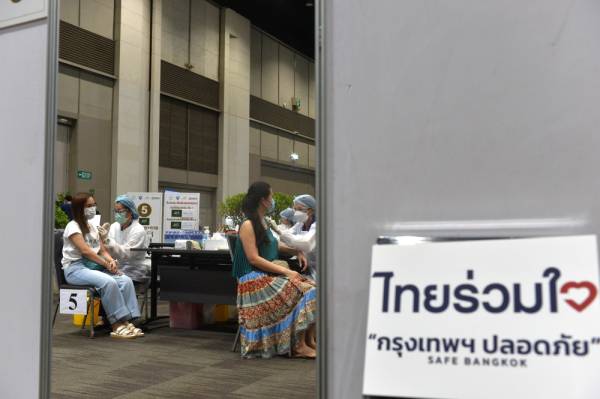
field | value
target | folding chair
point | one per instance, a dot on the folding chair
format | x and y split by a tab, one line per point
62	282
143	288
231	242
294	265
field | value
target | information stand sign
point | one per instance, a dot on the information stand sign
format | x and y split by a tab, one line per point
149	207
495	318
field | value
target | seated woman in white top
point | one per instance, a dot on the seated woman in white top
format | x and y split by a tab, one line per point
87	262
303	236
127	233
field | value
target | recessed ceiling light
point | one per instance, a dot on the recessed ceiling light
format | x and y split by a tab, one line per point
294	156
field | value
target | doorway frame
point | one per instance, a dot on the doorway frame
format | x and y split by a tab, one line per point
321	191
48	200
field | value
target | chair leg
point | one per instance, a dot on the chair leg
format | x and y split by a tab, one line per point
146	304
143	307
55	313
92	318
236	340
84	320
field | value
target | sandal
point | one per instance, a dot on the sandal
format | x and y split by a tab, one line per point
122	333
134	330
303	356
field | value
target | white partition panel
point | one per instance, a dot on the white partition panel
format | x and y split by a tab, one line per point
466	116
24	205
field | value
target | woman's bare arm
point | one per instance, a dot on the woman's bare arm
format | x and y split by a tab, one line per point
251	251
286	249
86	251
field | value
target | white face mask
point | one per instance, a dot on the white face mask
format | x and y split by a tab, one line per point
300	216
89	212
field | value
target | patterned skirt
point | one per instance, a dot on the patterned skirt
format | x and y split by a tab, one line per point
273	311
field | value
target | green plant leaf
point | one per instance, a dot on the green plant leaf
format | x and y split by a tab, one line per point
60	218
232	206
282	202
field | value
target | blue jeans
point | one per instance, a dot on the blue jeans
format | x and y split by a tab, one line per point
116	292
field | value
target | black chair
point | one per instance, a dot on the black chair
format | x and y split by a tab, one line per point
62	282
142	289
293	263
231	242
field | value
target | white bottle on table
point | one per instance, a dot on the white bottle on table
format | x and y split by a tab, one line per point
205	236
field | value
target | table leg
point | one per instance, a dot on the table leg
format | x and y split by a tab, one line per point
153	290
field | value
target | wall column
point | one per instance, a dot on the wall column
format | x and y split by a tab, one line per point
154	136
131	97
234	128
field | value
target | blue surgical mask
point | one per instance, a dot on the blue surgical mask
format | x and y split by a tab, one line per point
121	218
272	208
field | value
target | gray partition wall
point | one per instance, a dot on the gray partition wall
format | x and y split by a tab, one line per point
27	126
460	117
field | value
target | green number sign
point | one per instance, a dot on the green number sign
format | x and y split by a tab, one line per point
84	175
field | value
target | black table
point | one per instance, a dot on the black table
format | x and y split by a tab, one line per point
195	276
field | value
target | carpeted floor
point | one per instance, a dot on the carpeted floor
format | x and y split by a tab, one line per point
169	363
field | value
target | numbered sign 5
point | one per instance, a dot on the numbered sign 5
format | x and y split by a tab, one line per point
144	210
73	301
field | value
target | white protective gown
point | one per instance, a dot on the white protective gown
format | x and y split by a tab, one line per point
305	241
132	263
283	227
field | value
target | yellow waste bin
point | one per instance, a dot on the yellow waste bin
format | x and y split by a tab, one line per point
221	313
232	312
78	318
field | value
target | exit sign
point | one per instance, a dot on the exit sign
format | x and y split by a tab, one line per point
84	175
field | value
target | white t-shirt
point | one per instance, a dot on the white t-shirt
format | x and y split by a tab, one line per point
70	252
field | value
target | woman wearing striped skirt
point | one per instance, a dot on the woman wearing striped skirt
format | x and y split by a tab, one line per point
276	305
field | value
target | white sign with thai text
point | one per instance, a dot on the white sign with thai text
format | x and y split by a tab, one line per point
494	319
181	211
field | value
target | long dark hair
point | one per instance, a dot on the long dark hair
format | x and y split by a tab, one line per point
256	192
77	207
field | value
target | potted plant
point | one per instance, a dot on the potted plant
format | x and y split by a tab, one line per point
232	207
60	217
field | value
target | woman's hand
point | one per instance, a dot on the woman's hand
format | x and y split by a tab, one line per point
302	261
273	225
291	274
112	266
103	232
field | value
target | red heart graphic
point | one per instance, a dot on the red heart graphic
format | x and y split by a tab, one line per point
593	291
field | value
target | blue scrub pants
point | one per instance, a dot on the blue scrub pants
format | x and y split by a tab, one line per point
117	293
